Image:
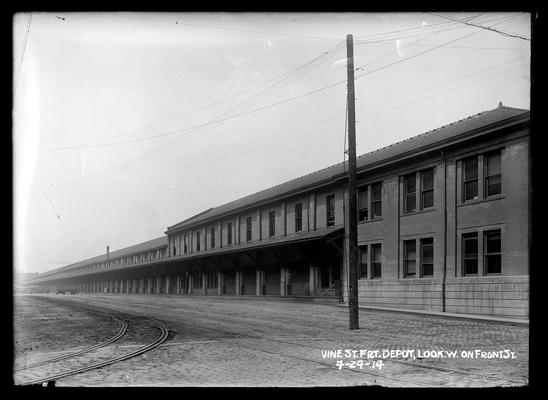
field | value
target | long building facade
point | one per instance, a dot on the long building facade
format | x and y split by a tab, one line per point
443	225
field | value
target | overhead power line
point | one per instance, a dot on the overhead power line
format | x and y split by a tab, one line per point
484	27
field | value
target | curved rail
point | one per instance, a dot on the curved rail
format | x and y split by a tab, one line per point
161	339
121	332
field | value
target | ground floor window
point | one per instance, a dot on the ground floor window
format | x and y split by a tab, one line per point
211	280
197	280
363	262
470	253
376	252
492	250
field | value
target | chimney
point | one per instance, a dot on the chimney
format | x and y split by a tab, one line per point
108	252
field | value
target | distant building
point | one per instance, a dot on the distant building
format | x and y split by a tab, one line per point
444	225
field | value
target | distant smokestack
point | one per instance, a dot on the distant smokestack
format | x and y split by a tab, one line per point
108	252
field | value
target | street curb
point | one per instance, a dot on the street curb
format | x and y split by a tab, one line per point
470	317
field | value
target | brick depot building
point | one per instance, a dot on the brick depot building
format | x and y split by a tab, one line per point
444	225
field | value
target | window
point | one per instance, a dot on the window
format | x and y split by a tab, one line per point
363	204
362	268
197	280
211	280
410	258
271	223
330	206
229	233
298	217
174	248
198	241
427	257
376	250
248	228
185	244
470	178
492	174
212	232
376	199
492	246
427	188
470	253
410	192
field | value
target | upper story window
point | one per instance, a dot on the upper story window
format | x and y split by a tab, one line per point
493	176
198	240
174	248
492	251
330	209
229	233
363	203
298	217
376	199
427	188
470	178
410	192
248	228
470	253
271	223
212	233
185	244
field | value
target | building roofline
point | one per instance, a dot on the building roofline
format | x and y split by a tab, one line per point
522	116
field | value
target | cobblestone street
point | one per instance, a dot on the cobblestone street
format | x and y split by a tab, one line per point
235	341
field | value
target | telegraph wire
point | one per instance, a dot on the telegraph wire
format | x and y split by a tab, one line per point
164	149
160	152
484	27
297	70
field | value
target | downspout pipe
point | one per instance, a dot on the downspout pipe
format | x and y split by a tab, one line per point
444	230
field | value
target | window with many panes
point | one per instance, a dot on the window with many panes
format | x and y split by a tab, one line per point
492	250
298	217
410	258
376	253
493	176
362	268
229	233
212	234
470	253
427	257
363	203
470	178
248	228
427	188
376	200
410	192
271	223
198	240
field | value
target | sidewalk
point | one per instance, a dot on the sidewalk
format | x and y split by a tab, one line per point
473	317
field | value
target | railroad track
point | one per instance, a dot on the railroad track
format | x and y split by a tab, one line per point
164	333
121	332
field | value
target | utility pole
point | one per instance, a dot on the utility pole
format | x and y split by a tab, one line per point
352	196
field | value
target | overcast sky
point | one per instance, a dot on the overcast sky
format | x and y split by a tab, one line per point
126	123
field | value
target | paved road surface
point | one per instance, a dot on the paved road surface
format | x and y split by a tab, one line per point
234	341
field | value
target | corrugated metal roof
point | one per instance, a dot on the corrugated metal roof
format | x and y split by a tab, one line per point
450	131
126	251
